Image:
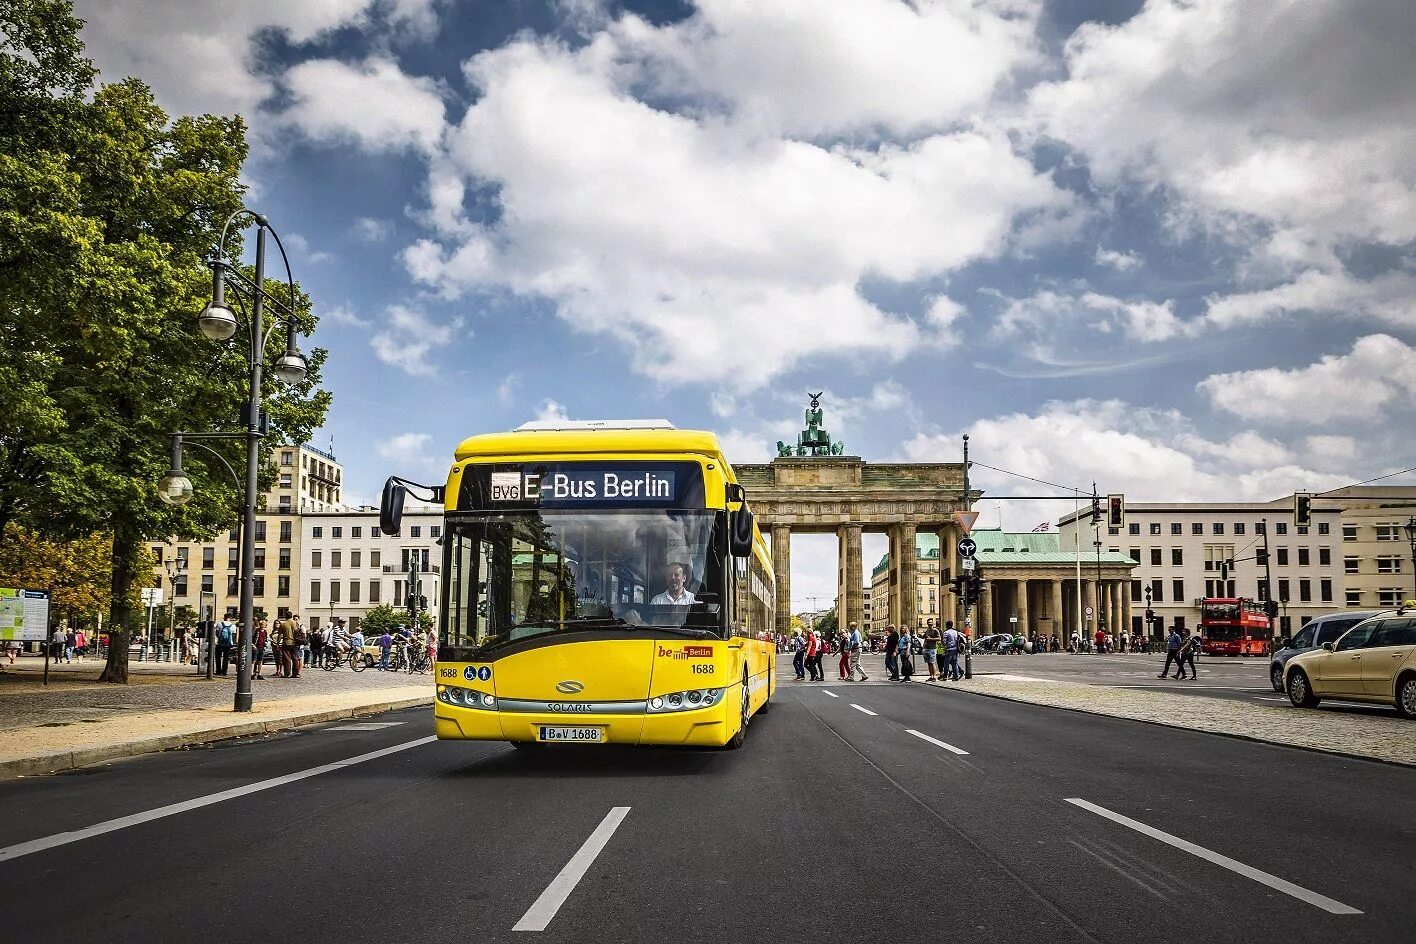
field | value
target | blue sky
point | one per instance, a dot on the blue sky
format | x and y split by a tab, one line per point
1166	246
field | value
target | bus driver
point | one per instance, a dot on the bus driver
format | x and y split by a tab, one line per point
677	594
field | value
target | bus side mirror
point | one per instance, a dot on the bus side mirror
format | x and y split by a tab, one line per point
740	533
391	507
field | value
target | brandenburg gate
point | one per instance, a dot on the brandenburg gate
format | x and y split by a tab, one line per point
811	487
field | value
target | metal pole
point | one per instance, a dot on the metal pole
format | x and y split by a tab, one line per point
1077	547
253	456
1411	531
968	626
1268	582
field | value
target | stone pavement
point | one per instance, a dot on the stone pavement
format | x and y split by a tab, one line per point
76	721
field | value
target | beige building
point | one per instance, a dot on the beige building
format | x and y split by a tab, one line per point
1377	566
929	599
347	565
204	574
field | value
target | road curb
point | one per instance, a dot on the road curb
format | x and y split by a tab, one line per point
69	760
1251	738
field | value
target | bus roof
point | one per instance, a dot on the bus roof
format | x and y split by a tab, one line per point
564	439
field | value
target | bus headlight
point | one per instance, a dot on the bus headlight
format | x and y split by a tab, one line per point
683	701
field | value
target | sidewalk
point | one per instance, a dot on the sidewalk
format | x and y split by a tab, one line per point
76	721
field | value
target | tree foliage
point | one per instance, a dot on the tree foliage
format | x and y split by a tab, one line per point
74	572
384	618
107	210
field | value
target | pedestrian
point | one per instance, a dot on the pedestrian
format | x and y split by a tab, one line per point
356	644
843	665
853	641
798	647
821	647
1192	654
80	644
385	644
258	645
1172	653
951	640
432	643
317	642
906	657
225	638
931	649
189	646
278	648
892	652
300	647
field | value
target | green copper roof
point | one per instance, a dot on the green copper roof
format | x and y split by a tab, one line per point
1012	547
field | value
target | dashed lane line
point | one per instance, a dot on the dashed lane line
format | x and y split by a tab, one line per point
1248	871
936	742
865	711
172	809
545	907
831	693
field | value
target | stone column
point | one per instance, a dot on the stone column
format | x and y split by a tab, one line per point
983	622
1115	619
909	576
892	583
782	566
1091	598
849	589
1126	614
1059	628
1024	624
949	557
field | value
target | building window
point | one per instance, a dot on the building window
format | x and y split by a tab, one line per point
336	532
1157	591
1263	589
416	531
1113	531
1260	527
317	532
1280	527
374	558
1135	591
282	585
354	557
1177	590
206	583
1283	593
1304	558
1134	528
356	532
1238	527
1388	597
335	558
373	591
208	558
1349	565
1175	527
436	530
1385	532
314	591
287	458
314	624
180	585
1155	527
1324	527
157	552
334	591
1197	528
260	585
1283	557
233	535
1305	591
1325	590
375	532
260	530
1324	557
1354	597
353	591
1219	527
316	558
260	558
285	558
285	532
1388	565
1136	554
285	480
231	558
1177	557
1155	557
398	593
1349	532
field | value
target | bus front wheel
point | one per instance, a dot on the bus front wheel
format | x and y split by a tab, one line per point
744	711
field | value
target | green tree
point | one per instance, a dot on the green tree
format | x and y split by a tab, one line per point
384	618
827	624
74	572
107	210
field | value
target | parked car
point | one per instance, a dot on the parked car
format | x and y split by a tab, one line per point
1374	661
1326	628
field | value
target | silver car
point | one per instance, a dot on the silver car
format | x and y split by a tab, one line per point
1326	628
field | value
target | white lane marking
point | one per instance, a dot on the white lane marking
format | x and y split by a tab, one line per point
544	908
136	819
366	726
1248	871
863	710
937	743
831	693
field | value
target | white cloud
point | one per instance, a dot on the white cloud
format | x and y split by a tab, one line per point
343	315
802	67
408	337
550	412
670	226
300	248
1390	297
395	110
413	456
369	230
1359	387
506	390
1048	313
1121	261
722	404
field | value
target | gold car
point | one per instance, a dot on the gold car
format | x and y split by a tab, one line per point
1374	661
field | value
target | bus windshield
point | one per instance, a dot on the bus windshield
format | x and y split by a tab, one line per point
1220	633
1221	612
518	574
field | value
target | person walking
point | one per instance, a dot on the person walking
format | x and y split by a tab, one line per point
951	640
317	643
843	646
798	647
853	642
258	646
385	644
821	647
931	650
1172	652
892	652
80	644
906	657
225	637
1196	647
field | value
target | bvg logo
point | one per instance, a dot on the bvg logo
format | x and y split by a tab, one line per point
570	687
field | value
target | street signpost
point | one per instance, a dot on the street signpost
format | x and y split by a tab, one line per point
968	563
968	547
966	520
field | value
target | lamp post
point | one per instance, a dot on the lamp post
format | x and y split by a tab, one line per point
1410	529
176	568
219	323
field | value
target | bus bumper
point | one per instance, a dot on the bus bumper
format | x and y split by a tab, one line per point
707	727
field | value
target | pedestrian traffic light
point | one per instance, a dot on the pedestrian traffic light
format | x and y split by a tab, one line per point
1150	615
1302	509
422	602
1261	557
1115	511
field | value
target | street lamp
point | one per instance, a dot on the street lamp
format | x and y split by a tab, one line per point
219	323
1410	529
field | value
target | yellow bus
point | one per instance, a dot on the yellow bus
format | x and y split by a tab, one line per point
602	583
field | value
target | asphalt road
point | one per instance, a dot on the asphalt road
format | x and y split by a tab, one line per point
833	824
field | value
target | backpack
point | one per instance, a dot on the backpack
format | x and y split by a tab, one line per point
223	635
301	637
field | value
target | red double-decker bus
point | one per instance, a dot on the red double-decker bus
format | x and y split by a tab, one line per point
1234	626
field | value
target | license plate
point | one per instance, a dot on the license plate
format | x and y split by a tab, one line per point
578	735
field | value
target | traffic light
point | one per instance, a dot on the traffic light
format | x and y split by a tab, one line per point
1224	567
1271	608
1261	557
1096	508
1302	509
1150	616
422	602
1115	511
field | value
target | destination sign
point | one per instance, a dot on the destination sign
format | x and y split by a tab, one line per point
597	484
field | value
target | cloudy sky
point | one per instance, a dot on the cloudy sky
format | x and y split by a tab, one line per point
1166	245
